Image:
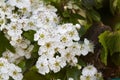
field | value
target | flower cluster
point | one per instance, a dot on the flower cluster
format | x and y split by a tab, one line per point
59	44
90	73
61	50
9	70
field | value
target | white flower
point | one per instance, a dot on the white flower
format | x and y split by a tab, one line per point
8	55
74	34
66	53
89	46
70	78
70	30
21	42
3	65
47	49
2	23
15	72
41	36
75	47
89	70
14	17
83	49
6	9
9	69
2	2
19	3
73	61
14	30
42	65
4	76
66	40
30	25
45	17
22	48
86	47
69	56
65	28
12	57
56	64
35	4
78	26
87	78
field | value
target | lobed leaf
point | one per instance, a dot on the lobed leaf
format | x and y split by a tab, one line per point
102	40
113	42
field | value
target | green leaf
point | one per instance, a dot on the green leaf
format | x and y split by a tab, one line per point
81	62
113	42
35	50
104	55
33	75
73	73
36	47
30	62
77	16
4	44
59	75
22	65
29	35
82	31
102	40
66	13
10	78
94	15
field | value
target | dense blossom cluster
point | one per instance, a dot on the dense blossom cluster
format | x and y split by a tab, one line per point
59	44
9	70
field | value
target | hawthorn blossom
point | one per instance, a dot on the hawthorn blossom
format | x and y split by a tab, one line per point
88	78
9	70
86	47
19	3
90	73
70	78
89	70
14	30
42	65
41	36
55	64
58	43
15	72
